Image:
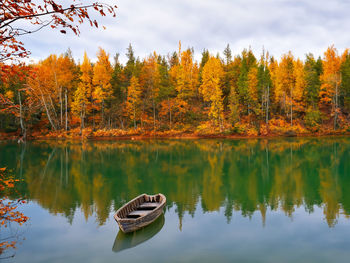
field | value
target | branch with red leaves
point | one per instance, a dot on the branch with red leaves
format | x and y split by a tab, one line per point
8	209
40	14
8	106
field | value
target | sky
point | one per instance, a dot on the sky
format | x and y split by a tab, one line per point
300	26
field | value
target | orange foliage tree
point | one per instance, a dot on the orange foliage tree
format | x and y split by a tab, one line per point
53	81
331	80
42	85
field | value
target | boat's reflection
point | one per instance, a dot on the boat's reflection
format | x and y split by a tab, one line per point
124	241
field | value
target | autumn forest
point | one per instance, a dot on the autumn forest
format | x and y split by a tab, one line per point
89	126
173	94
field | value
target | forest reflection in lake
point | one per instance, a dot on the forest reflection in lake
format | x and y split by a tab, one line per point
241	175
198	177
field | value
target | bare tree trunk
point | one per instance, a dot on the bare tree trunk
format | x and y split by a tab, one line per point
66	110
263	101
93	118
169	113
102	113
84	114
291	107
47	110
143	110
81	122
53	107
154	115
60	97
220	123
336	107
267	104
61	108
134	117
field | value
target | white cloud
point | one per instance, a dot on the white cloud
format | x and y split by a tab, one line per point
278	25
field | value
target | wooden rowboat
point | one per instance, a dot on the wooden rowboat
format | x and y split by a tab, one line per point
140	212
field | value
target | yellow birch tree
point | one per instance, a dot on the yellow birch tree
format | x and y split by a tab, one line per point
81	103
134	99
211	90
102	80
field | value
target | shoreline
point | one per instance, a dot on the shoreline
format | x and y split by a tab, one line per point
180	136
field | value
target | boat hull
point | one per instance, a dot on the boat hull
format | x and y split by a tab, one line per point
128	225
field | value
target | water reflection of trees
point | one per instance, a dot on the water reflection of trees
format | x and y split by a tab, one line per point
10	218
239	175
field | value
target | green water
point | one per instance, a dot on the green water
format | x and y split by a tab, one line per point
278	200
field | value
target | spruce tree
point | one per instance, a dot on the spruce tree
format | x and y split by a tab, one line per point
345	84
313	71
228	55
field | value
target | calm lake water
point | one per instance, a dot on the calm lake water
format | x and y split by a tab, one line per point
277	200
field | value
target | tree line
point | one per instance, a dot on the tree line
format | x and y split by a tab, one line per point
218	94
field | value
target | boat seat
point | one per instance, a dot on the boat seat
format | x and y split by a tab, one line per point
139	213
148	205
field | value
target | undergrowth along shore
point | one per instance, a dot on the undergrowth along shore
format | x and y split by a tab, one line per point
139	134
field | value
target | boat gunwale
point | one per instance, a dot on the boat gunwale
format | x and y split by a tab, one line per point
134	220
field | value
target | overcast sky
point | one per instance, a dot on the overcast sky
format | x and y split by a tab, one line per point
301	26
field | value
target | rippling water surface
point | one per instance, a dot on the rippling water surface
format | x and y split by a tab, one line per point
277	200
